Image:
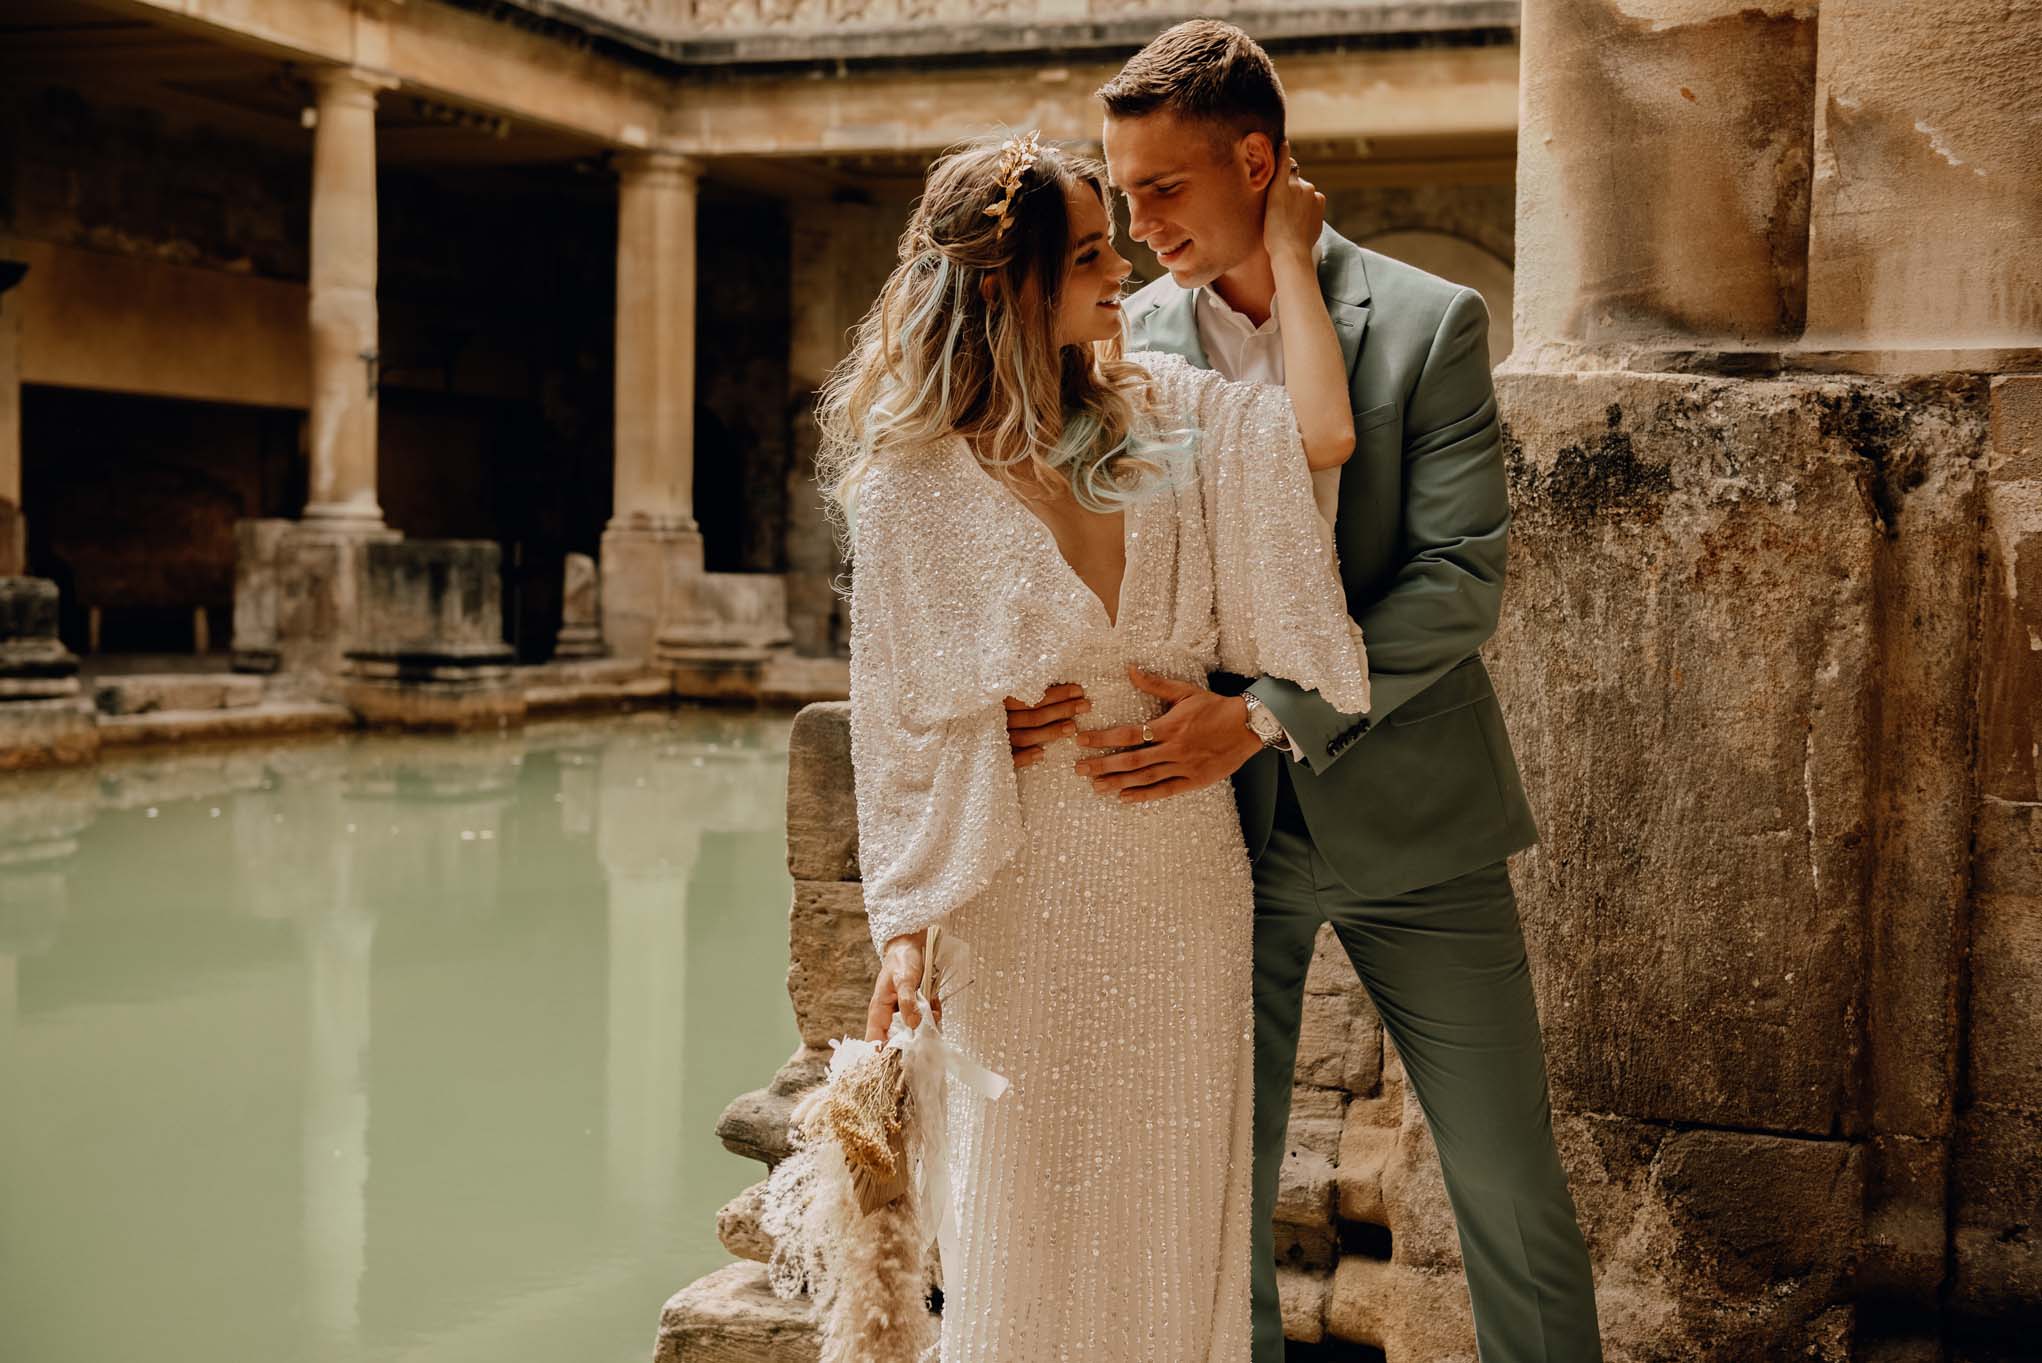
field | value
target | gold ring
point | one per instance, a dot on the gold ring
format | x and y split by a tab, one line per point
1148	734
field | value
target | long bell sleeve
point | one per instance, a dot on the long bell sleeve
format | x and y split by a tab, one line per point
1278	602
938	808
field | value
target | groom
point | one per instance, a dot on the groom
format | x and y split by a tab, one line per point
1394	825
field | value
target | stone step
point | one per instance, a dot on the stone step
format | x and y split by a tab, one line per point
732	1316
271	719
150	692
737	1225
1303	1296
755	1123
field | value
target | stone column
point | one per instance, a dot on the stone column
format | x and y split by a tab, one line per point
342	427
1740	652
13	530
651	540
1926	210
1663	168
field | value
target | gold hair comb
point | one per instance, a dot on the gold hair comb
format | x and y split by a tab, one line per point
1017	156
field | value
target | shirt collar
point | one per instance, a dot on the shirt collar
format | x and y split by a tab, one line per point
1220	311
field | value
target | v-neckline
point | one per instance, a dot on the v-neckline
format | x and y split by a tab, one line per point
1118	611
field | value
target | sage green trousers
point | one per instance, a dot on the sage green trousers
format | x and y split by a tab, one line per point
1445	967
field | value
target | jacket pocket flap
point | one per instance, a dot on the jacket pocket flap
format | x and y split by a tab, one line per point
1466	684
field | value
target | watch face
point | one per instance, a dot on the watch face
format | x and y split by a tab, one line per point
1265	725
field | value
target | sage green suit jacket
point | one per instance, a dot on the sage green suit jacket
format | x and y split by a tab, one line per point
1423	787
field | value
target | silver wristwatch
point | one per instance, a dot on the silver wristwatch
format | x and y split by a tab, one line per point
1265	726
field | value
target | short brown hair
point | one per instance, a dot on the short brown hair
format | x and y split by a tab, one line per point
1206	70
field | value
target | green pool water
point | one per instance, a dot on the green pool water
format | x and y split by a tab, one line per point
383	1048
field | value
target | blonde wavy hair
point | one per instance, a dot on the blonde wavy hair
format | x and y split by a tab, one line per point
939	356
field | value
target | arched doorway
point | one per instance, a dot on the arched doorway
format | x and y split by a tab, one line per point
1463	262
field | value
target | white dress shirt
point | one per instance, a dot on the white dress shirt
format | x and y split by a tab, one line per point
1238	349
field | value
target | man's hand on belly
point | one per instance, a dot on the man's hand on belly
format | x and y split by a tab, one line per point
1032	728
1201	738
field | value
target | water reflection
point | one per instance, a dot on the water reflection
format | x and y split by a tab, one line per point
383	1048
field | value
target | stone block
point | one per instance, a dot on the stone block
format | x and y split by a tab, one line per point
637	565
145	693
1412	1316
2017	428
732	1316
59	732
1907	1215
1998	1213
723	618
831	962
737	1225
581	611
34	664
258	597
1692	583
2006	992
1340	1039
320	580
755	1124
822	808
1760	1218
1314	1248
1997	1278
1304	1190
1365	1154
1315	1118
430	650
1302	1294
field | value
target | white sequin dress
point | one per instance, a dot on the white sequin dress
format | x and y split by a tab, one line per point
1103	1202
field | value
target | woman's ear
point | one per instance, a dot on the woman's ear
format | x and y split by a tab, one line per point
987	287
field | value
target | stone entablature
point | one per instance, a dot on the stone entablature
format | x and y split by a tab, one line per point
743	31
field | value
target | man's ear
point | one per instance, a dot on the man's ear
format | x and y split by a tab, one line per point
1257	159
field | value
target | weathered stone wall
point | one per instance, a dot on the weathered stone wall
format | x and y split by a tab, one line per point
1737	663
1996	1279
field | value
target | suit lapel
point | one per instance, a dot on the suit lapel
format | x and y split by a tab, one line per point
1343	279
1172	326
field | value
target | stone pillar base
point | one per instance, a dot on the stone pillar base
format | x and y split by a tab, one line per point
581	611
580	642
432	654
400	693
722	630
60	732
44	720
639	566
298	592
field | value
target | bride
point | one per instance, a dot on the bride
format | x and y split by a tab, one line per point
1031	507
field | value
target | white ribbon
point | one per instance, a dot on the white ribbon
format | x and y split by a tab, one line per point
929	1059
